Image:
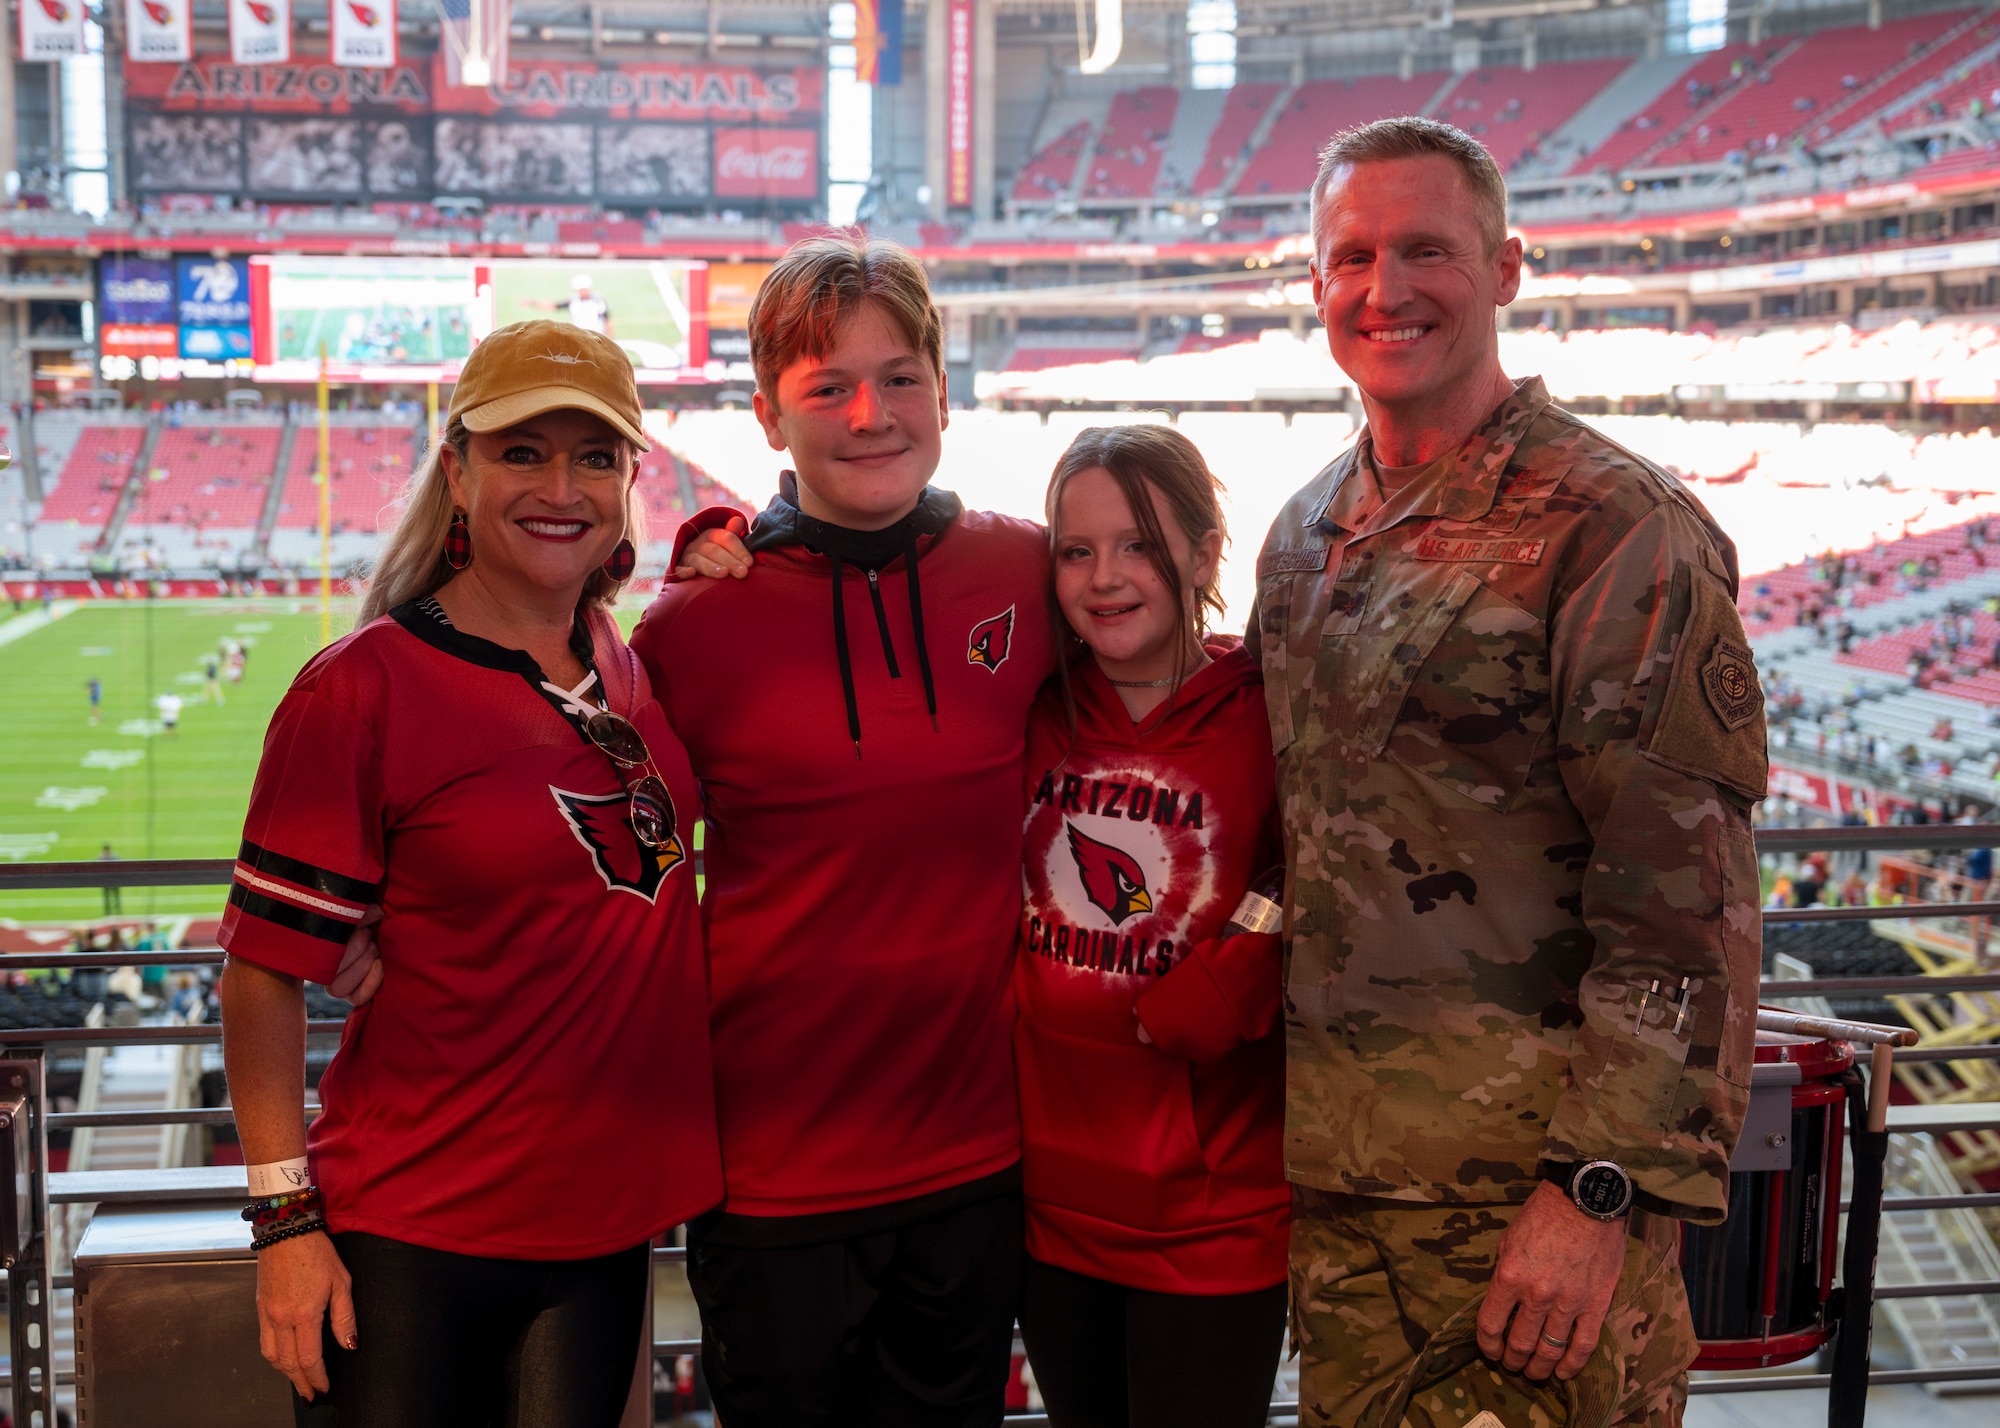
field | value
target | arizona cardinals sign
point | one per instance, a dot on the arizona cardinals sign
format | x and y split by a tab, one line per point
260	31
1112	877
364	33
51	29
157	31
991	640
602	823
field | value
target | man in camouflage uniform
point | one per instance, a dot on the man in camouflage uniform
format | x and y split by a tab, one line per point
1519	735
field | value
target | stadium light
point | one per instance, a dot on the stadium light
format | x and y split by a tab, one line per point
1110	37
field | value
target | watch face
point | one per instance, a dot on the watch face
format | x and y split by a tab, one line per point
1602	1190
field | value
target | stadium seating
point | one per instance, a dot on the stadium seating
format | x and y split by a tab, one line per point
1806	79
1126	161
1321	108
1960	86
97	468
1242	111
1708	76
204	477
1049	172
1512	111
370	465
1942	64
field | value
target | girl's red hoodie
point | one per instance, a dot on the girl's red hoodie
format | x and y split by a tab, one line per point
1159	1166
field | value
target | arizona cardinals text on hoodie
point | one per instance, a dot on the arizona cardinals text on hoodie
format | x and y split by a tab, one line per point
541	1022
1159	1167
863	853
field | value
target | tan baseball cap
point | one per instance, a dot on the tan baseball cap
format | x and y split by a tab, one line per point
528	368
1452	1383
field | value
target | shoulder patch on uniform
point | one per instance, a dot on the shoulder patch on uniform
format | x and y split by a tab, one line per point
1730	681
1710	716
1291	562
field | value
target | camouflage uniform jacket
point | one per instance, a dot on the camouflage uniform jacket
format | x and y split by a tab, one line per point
1519	733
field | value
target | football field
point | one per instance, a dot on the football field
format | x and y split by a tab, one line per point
67	787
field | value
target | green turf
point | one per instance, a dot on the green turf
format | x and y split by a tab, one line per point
185	796
638	312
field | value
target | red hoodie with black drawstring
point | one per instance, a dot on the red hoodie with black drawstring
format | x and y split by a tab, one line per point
1159	1167
855	712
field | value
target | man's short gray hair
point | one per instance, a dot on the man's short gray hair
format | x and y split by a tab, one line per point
1414	137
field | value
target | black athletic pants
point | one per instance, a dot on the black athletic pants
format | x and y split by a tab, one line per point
1105	1356
453	1341
908	1325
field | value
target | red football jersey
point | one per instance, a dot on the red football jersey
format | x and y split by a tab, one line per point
861	906
533	1079
1159	1167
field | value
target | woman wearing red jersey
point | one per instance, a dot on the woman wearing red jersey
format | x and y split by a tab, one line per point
463	1236
1151	1074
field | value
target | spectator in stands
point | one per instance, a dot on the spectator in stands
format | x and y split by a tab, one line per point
483	758
1476	545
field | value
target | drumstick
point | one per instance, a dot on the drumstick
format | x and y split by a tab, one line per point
1878	1087
1867	1032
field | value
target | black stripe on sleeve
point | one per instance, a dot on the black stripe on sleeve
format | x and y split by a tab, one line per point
307	876
290	915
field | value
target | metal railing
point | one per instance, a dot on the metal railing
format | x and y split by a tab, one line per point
88	1187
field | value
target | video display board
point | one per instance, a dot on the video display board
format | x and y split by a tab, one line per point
418	319
634	134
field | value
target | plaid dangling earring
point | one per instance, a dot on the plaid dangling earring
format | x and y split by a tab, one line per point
622	561
458	542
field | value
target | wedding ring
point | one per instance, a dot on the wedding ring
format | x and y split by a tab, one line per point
1555	1343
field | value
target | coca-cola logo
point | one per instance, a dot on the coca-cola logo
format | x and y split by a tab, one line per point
786	163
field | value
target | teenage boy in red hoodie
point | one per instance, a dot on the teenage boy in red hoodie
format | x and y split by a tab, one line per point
856	714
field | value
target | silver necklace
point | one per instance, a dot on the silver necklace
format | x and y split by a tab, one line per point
1143	683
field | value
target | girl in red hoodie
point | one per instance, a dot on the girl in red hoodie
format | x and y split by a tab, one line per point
1151	1068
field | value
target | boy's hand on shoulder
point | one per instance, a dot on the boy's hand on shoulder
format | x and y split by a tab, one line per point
717	554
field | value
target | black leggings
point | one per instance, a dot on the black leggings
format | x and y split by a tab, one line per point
1105	1356
454	1341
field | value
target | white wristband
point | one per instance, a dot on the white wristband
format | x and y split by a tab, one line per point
1257	913
280	1177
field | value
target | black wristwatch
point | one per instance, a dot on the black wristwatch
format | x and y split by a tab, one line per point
1599	1188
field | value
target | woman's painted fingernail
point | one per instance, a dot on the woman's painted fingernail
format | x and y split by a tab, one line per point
353	1342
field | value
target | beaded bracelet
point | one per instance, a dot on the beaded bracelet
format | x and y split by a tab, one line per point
281	1201
285	1209
286	1232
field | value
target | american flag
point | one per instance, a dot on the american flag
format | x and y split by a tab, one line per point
494	16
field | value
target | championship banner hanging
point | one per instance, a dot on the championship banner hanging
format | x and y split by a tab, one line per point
958	117
158	31
51	29
260	31
364	34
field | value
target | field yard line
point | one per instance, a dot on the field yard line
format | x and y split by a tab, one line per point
34	620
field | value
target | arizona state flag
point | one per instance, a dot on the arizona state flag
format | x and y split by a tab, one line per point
260	31
878	41
363	33
157	31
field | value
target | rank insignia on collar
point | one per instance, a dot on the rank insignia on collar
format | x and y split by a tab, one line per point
1730	681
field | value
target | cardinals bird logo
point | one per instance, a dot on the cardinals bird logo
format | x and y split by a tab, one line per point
362	13
991	641
56	11
158	14
1111	879
603	824
264	14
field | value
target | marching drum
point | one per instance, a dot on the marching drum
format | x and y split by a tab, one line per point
1760	1284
